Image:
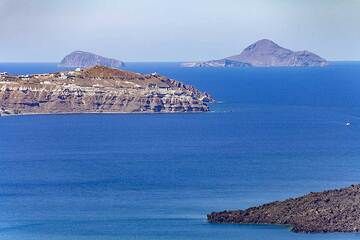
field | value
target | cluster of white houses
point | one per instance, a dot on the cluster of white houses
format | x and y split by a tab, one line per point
62	75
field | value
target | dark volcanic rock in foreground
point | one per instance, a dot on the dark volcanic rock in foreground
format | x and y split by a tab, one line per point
86	59
329	211
265	53
97	89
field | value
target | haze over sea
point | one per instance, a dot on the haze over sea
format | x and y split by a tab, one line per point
274	133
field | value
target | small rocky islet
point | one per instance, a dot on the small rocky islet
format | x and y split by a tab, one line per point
329	211
97	89
84	59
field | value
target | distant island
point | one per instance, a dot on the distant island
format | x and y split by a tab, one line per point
97	90
265	53
330	211
86	59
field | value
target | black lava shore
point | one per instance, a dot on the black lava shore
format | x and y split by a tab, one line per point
329	211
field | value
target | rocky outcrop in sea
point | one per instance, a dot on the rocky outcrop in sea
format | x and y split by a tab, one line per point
217	63
265	53
329	211
96	90
86	59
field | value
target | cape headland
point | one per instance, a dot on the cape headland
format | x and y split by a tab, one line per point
97	89
329	211
265	53
83	59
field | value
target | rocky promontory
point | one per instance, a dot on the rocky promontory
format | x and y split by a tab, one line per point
265	53
86	59
329	211
96	90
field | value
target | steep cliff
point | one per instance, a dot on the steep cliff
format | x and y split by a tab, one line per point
97	89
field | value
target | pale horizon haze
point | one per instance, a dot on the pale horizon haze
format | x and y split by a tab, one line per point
160	30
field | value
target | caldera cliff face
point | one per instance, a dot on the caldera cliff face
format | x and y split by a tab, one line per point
97	89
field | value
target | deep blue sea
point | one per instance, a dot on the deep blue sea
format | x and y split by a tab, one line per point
274	133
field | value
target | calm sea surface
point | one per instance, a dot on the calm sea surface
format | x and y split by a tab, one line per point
275	133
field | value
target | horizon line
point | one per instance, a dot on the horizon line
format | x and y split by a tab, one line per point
155	61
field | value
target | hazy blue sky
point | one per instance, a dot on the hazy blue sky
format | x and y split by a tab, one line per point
175	30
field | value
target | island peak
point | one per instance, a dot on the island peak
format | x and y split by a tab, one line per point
263	43
266	53
88	59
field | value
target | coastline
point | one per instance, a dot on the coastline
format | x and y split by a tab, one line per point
317	212
97	90
103	113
